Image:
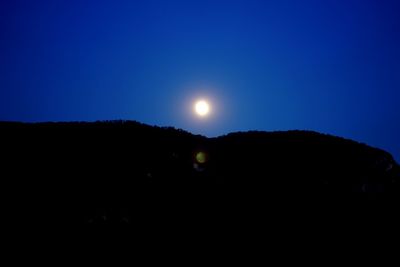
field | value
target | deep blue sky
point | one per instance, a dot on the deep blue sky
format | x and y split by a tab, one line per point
331	66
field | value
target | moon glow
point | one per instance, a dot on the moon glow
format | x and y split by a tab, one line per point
202	108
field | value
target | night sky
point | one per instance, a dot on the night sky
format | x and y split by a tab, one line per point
330	66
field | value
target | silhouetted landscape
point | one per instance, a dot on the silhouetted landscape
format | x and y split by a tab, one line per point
125	172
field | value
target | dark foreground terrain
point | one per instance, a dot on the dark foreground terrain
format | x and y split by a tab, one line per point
124	172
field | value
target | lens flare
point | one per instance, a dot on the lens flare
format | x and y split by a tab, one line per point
201	157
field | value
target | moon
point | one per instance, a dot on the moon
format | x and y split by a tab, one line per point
202	108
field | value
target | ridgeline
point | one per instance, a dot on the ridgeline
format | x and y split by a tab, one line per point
106	172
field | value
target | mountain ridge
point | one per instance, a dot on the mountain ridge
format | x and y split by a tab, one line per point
110	165
137	125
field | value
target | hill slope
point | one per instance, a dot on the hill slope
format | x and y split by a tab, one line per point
90	168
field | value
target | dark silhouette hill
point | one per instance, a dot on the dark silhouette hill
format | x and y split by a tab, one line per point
111	171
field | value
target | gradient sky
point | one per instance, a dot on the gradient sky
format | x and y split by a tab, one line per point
331	66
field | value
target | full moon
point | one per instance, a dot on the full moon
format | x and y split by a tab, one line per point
202	108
